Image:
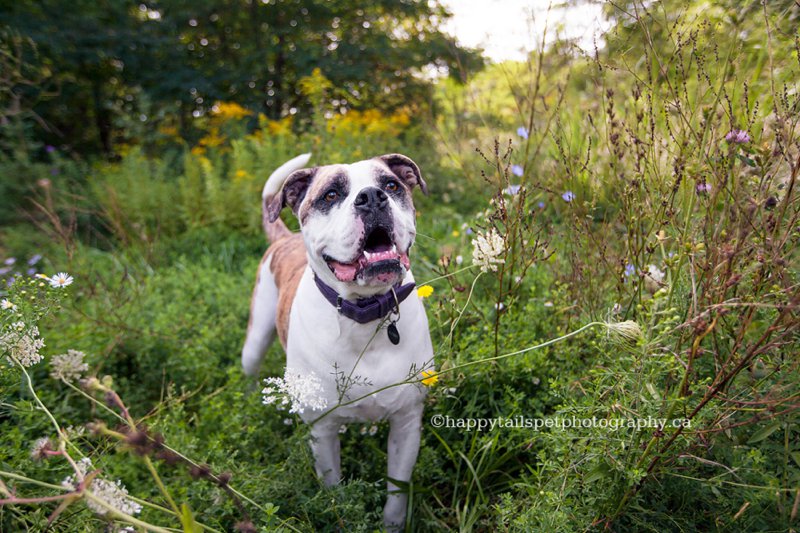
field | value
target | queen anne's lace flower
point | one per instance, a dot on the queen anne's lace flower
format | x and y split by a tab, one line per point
301	391
488	250
114	494
68	366
23	344
40	448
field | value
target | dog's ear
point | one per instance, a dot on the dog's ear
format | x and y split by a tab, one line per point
405	169
291	194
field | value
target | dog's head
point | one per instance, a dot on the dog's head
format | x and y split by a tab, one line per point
357	220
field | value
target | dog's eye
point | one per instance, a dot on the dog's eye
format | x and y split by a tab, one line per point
391	186
331	195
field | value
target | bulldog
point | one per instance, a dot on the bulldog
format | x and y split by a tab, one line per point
340	295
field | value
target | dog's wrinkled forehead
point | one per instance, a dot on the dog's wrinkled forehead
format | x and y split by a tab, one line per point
343	182
305	190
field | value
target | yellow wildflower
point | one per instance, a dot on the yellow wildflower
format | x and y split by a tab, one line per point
424	291
430	378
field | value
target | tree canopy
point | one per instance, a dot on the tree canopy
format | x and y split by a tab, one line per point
109	62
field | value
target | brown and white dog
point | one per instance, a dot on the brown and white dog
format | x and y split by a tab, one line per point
336	293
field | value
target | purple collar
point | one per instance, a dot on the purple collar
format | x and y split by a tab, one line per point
367	309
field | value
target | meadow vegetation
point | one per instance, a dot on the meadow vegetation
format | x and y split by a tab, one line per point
652	181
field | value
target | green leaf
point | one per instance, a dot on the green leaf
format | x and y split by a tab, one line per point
764	432
187	520
746	160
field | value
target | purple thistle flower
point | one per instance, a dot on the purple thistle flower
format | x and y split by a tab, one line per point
512	189
568	196
737	137
517	170
522	131
703	188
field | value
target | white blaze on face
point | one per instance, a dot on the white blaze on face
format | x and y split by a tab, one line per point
339	233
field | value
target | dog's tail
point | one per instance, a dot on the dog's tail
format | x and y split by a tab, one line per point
272	188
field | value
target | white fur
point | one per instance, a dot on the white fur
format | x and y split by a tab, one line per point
264	309
323	342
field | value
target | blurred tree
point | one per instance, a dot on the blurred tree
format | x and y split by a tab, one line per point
175	58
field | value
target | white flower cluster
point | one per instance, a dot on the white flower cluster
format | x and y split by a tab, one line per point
488	250
7	305
23	344
301	391
114	494
68	366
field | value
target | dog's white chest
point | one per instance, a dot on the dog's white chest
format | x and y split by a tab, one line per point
354	360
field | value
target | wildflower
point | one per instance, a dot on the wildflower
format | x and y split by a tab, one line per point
302	392
517	170
499	306
469	231
5	270
68	366
50	149
40	448
373	429
10	261
737	137
459	260
456	233
630	270
511	190
342	429
703	188
548	304
430	378
288	421
424	291
6	305
522	131
23	345
628	331
62	279
568	196
540	205
488	250
113	494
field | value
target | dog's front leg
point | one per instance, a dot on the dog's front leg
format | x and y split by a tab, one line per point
404	435
327	456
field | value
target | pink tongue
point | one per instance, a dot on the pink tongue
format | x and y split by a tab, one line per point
344	271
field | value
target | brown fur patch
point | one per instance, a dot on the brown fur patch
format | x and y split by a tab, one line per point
288	264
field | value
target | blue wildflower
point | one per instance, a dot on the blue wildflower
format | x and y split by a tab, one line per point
517	170
568	196
512	189
522	131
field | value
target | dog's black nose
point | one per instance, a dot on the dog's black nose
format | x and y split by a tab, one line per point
371	199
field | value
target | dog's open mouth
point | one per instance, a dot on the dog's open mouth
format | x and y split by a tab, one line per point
378	259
